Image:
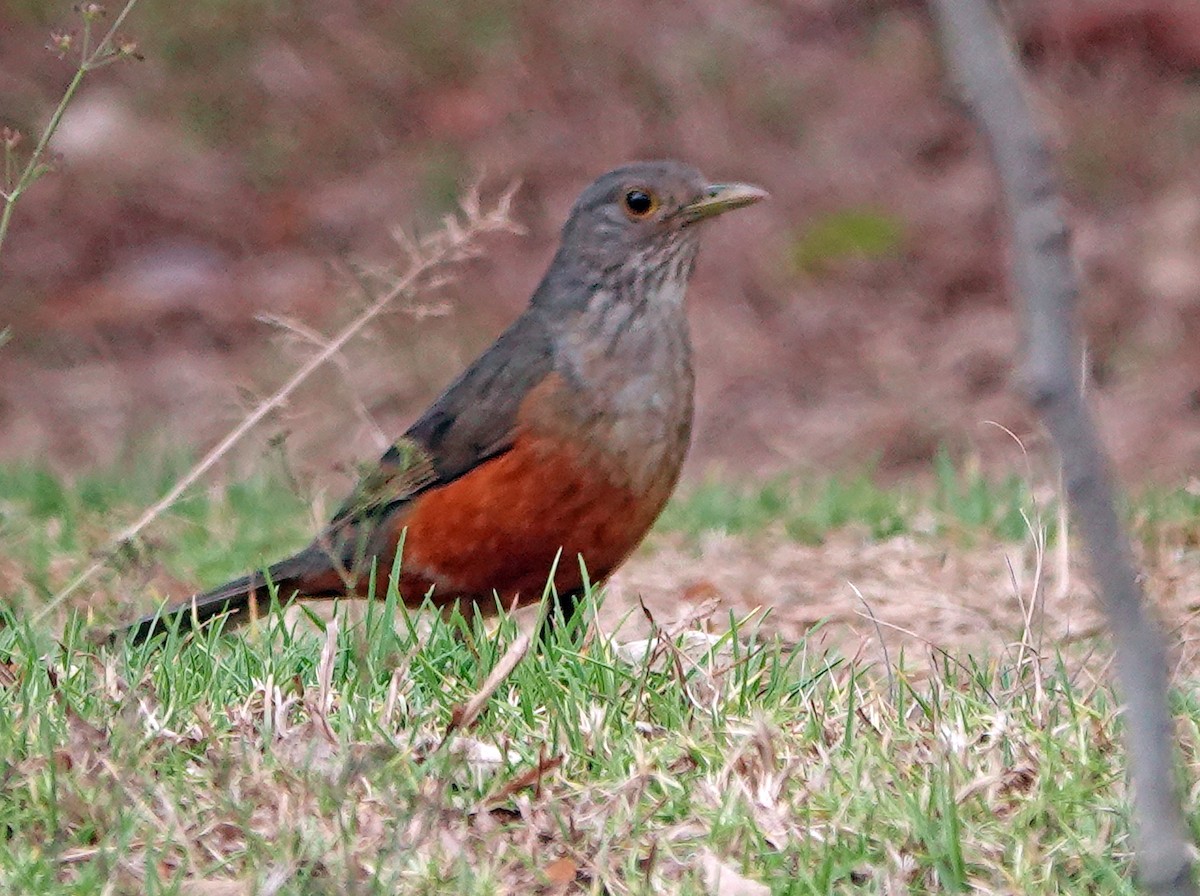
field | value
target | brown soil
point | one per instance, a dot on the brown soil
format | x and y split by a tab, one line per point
918	601
871	600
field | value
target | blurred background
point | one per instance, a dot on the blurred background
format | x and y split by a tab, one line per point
858	318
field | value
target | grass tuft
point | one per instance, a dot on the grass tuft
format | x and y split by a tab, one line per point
952	502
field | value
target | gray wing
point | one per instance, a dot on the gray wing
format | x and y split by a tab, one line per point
473	420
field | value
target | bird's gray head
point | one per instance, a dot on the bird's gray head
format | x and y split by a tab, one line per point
635	227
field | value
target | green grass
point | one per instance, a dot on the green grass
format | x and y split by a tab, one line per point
49	520
948	502
223	758
208	759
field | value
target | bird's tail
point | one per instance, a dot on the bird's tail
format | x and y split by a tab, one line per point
236	600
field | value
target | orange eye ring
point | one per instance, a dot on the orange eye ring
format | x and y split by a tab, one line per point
640	203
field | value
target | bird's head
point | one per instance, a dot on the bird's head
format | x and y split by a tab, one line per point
637	223
639	210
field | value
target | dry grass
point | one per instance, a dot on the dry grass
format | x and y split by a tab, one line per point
913	593
910	591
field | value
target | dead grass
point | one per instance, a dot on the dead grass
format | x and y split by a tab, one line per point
915	594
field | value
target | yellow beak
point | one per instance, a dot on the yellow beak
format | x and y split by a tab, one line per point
719	198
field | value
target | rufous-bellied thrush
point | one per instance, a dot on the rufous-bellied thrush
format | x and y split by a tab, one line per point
565	438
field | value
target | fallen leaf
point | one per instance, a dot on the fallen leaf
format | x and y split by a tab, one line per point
722	880
480	755
561	871
693	644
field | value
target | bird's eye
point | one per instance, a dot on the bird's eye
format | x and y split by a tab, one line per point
640	203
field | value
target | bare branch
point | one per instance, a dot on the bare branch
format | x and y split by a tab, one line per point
465	715
312	338
109	49
1047	287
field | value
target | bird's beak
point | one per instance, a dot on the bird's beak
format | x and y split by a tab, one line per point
719	198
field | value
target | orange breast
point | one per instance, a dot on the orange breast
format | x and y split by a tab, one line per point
500	526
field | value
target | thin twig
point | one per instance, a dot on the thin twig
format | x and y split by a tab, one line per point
465	715
887	660
338	360
90	59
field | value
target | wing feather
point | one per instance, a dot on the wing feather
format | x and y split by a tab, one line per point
474	420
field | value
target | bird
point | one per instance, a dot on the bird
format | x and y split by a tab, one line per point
553	453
